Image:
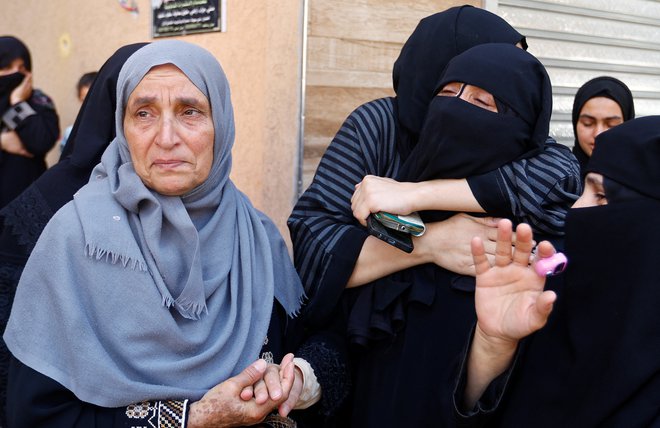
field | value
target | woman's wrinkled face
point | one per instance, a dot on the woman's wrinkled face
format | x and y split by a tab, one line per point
472	94
598	114
594	192
169	129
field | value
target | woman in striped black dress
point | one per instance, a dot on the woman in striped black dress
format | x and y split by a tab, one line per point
333	251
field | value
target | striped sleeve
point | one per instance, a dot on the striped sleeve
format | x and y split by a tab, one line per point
326	237
542	189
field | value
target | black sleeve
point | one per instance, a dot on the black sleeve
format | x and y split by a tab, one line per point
490	191
326	353
324	348
35	400
538	190
36	123
484	412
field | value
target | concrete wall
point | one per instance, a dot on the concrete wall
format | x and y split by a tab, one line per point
260	53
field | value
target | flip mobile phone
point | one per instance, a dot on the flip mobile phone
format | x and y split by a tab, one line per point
551	265
400	240
410	223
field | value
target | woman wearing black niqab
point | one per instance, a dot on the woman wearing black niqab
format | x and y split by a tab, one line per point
607	87
329	243
597	361
409	327
427	52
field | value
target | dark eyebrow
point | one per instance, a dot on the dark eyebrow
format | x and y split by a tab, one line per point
140	101
588	116
194	102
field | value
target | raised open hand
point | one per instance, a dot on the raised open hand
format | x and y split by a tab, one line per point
509	297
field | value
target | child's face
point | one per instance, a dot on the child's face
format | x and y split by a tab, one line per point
82	93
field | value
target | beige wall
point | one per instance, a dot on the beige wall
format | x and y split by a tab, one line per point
352	46
260	53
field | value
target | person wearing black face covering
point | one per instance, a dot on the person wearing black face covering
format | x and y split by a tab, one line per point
29	125
23	219
597	361
332	249
600	104
408	327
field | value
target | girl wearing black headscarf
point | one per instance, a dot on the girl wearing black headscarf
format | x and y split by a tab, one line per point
409	327
600	104
28	122
23	219
331	246
597	362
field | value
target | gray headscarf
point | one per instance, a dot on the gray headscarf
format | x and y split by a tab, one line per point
130	295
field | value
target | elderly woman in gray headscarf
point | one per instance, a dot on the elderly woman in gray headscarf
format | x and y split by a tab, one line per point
153	294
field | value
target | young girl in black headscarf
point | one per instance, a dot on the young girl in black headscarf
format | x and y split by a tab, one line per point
600	104
597	362
408	327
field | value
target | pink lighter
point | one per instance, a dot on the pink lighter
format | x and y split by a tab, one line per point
551	265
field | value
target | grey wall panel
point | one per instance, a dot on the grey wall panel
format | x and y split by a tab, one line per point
580	39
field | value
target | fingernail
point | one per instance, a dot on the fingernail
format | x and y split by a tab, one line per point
260	365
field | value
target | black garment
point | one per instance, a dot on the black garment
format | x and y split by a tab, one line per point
459	139
414	322
23	219
400	380
629	154
37	125
36	400
597	361
38	133
603	86
437	39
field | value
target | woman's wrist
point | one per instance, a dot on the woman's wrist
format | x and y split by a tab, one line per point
495	347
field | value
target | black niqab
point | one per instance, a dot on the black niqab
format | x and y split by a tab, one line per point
459	139
436	40
629	153
598	359
604	86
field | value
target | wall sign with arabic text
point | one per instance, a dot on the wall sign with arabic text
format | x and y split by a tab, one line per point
181	17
